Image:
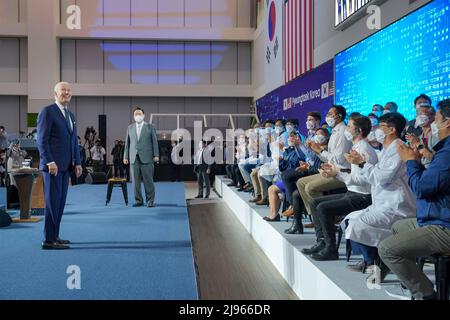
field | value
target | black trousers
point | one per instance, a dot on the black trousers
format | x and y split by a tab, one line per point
298	206
239	176
326	209
290	178
230	173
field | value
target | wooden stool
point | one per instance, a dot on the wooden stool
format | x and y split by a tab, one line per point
117	182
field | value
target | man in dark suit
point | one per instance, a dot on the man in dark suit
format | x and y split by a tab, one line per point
59	156
142	152
203	170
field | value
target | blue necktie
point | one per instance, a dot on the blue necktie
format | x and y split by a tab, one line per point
68	120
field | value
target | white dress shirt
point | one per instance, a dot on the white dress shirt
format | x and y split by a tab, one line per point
139	129
337	147
352	180
61	108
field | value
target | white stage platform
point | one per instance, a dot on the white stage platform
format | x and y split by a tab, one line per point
310	280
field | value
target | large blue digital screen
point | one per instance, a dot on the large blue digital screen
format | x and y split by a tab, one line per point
405	59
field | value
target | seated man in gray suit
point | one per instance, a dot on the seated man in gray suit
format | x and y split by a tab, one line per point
141	151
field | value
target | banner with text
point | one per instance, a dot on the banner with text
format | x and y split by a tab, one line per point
314	91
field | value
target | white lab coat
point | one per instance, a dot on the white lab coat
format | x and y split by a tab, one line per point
270	169
392	200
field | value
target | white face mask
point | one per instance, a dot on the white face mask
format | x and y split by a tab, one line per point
371	136
331	121
319	139
386	112
268	130
348	135
421	120
278	130
310	125
139	119
380	136
290	129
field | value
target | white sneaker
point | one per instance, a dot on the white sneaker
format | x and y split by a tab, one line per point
398	292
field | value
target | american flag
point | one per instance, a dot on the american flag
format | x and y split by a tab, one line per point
298	35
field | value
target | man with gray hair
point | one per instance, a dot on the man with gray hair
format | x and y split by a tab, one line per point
59	156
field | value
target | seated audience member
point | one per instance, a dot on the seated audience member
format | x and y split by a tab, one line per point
390	107
429	233
425	141
413	128
377	110
3	139
267	145
290	160
325	209
312	124
371	137
241	156
280	131
310	167
392	200
252	161
314	186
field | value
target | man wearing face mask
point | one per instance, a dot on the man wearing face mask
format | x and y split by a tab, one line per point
390	107
413	127
325	209
314	186
429	232
377	110
280	132
392	199
425	142
371	137
312	124
142	152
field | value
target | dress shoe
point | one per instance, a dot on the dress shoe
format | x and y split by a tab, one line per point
231	185
200	196
361	266
207	196
256	199
289	212
315	248
309	225
53	246
61	241
276	219
326	254
263	202
150	205
137	205
240	189
296	228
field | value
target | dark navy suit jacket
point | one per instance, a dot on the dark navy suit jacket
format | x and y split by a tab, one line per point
55	141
